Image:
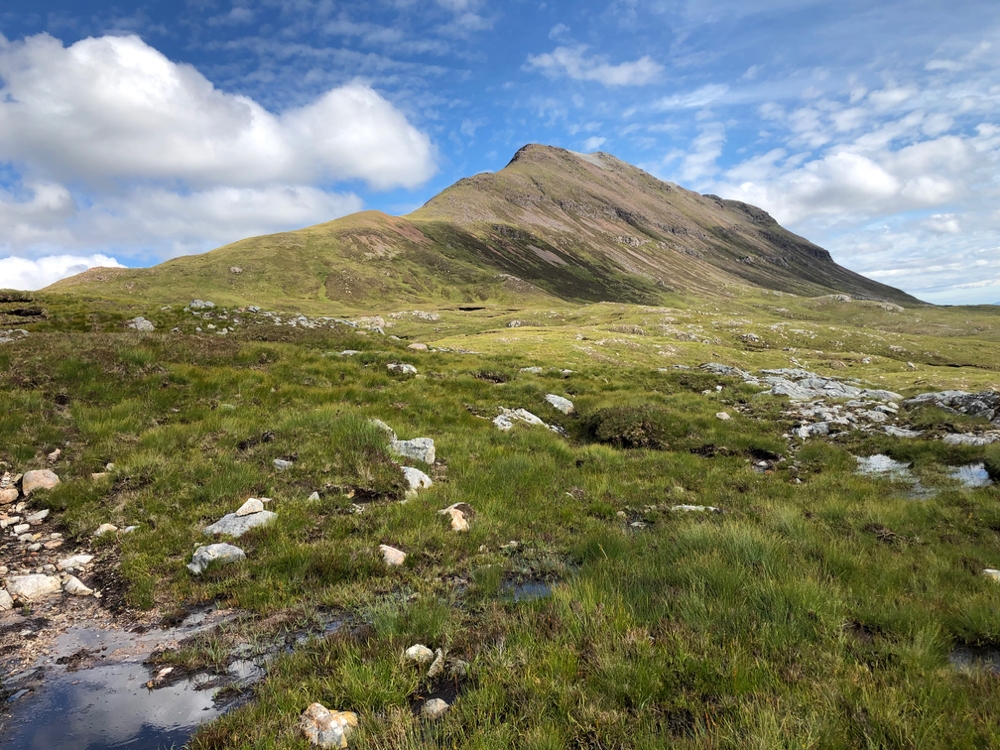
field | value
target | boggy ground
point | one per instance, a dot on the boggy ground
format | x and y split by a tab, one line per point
818	609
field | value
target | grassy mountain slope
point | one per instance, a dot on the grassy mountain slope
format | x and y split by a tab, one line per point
552	224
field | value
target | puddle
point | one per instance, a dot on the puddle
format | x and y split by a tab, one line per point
884	467
108	707
975	658
881	465
972	476
528	590
90	691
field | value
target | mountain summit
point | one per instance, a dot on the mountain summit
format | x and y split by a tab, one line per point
552	223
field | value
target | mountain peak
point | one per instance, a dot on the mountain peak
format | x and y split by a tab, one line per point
580	227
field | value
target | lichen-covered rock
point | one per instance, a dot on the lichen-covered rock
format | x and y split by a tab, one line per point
214	553
418	449
75	587
105	528
235	525
140	324
459	515
32	587
39	479
393	557
384	427
76	561
402	368
985	404
251	506
434	709
560	404
419	654
416	479
326	728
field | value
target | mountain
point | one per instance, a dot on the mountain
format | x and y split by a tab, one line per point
551	224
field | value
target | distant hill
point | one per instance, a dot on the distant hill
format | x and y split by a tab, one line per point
551	224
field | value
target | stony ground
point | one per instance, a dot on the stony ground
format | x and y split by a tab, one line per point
602	526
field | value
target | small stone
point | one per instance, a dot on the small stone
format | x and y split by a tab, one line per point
37	517
8	496
76	561
457	514
54	544
5	601
105	528
236	526
393	557
54	456
401	368
723	416
384	427
74	586
417	347
282	464
21	528
437	668
31	587
140	324
419	449
220	553
253	505
434	709
992	574
130	529
99	475
419	654
39	479
559	403
34	547
325	728
416	479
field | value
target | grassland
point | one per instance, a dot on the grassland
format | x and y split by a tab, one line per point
818	610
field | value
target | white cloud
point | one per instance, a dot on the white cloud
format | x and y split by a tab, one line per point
943	224
593	143
22	273
115	108
691	99
161	222
574	63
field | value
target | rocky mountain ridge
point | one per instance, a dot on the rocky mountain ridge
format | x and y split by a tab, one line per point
552	225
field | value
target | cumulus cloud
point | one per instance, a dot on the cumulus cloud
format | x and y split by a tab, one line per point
574	63
119	151
115	108
159	222
23	273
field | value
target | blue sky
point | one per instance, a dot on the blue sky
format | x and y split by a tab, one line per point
132	133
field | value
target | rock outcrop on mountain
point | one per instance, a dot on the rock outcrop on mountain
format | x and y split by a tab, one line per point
552	223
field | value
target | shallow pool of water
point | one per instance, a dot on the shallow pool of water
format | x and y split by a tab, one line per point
528	590
105	707
972	476
985	658
90	692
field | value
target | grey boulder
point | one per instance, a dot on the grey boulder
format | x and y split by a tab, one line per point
419	449
213	553
235	525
